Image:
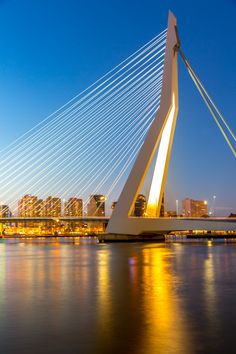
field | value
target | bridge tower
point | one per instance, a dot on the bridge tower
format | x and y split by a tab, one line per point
160	134
122	225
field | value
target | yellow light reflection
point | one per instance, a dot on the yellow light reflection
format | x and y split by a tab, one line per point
163	314
104	296
209	289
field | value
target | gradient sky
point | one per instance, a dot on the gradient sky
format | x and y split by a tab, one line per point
51	50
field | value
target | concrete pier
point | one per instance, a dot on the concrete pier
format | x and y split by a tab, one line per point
131	238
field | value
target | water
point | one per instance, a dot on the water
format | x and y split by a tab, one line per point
82	297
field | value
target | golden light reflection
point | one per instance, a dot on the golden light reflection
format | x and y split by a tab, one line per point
163	314
104	295
209	288
133	273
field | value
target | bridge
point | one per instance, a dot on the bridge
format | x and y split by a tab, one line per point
111	133
161	133
39	219
178	224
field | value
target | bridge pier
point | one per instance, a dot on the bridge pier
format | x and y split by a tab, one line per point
105	238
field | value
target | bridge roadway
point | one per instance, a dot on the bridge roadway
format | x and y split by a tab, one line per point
16	219
139	226
158	225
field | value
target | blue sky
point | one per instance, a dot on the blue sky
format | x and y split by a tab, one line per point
50	51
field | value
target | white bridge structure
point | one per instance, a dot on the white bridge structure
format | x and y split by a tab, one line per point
110	135
160	134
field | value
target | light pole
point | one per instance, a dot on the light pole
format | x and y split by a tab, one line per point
177	207
213	206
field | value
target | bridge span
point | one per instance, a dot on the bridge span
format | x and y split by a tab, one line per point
18	219
155	225
132	111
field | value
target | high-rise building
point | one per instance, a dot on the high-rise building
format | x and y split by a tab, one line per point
5	211
140	205
194	208
27	206
96	205
113	205
162	210
40	207
73	207
53	206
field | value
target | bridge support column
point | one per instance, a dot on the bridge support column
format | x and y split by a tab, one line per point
161	132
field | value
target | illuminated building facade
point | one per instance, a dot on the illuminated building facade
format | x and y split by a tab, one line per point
113	206
53	206
27	206
5	211
162	209
40	207
140	205
194	208
96	205
73	207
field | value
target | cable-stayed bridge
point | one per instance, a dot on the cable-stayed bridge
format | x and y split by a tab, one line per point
107	137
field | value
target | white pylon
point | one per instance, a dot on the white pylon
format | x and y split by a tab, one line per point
161	132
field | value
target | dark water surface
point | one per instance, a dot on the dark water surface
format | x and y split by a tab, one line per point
82	297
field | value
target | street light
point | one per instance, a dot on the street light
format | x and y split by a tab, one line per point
177	207
213	205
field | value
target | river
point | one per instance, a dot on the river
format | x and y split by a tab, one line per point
78	296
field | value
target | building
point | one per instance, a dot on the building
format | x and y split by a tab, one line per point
40	208
52	206
5	211
27	206
140	205
113	205
194	208
162	209
73	207
170	214
96	205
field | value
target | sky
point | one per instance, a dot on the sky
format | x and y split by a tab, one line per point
50	51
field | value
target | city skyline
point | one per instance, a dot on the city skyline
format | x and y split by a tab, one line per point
211	172
53	206
117	177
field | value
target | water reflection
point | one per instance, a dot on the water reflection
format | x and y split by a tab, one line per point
209	287
137	303
166	332
131	298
